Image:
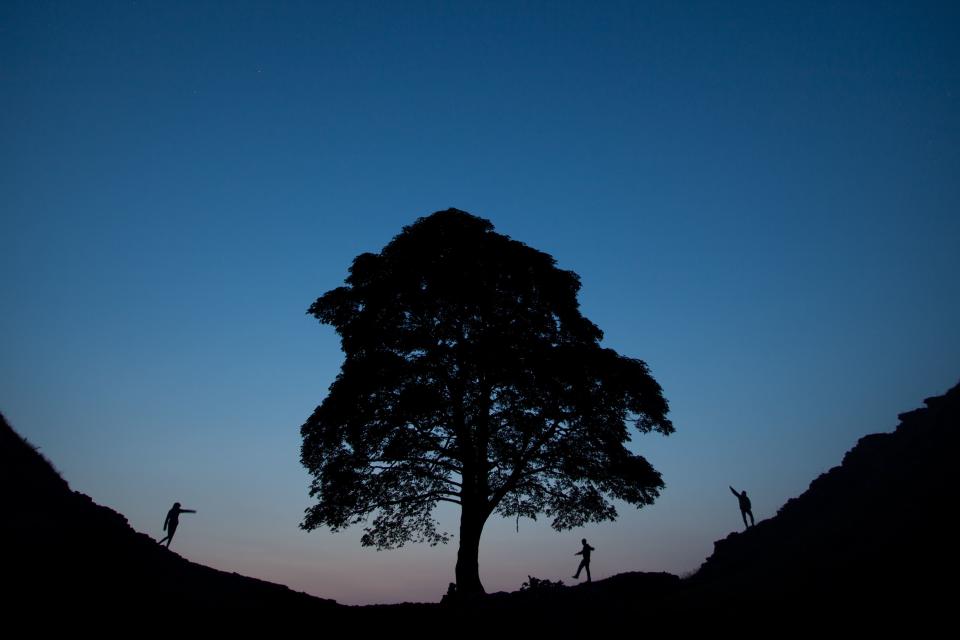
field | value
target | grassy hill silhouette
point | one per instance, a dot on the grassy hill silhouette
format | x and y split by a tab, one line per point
867	542
63	552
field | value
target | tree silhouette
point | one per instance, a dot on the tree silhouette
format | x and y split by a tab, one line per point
471	377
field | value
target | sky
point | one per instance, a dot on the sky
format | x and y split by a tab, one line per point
762	201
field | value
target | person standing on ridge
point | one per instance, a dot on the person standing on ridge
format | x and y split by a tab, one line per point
585	563
745	509
172	520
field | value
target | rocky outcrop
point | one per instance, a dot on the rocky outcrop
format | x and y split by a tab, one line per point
873	532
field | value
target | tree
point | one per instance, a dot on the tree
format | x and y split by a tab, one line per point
471	377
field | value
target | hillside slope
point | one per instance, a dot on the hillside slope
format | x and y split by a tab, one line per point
870	534
63	551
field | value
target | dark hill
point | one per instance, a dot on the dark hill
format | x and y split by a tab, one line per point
867	544
870	535
64	553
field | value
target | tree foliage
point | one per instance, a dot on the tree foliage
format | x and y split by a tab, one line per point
471	377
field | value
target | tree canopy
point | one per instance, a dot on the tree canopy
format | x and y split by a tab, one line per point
471	377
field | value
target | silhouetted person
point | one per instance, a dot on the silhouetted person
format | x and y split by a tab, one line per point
585	563
744	507
172	520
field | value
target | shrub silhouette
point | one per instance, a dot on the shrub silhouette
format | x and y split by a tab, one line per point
538	584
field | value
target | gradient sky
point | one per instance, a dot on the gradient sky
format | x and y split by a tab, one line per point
761	200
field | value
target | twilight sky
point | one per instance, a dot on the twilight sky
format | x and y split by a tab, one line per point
762	200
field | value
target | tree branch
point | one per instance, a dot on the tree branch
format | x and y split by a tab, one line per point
428	474
441	496
522	460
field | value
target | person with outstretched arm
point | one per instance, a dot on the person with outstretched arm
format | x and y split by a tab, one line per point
585	563
172	520
745	509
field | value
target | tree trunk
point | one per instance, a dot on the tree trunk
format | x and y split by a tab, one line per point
472	445
468	566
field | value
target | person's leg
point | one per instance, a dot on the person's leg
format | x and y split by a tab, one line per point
579	569
172	530
751	518
587	567
743	514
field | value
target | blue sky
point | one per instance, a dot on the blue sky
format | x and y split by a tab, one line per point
762	203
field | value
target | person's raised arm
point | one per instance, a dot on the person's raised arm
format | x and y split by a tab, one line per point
188	510
734	492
